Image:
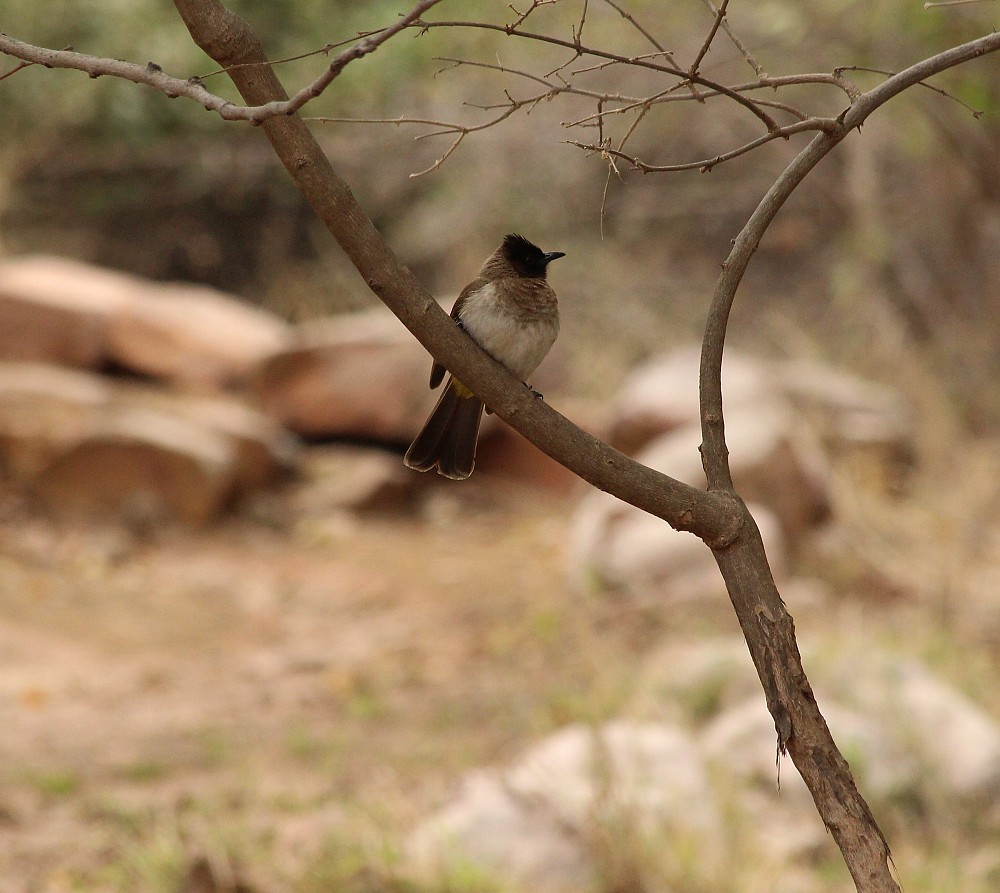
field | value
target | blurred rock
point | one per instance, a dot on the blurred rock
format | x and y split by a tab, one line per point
266	453
55	310
651	771
500	833
44	410
65	312
356	376
55	422
775	468
354	479
537	822
845	411
953	745
868	424
693	680
662	394
145	467
909	737
192	335
631	550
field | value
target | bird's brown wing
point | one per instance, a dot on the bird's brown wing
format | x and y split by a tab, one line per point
437	370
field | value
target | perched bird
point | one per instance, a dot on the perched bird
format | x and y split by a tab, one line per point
511	312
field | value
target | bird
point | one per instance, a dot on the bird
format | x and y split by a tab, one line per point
512	313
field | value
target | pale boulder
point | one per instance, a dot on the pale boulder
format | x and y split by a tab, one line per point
343	478
55	310
534	822
43	411
359	376
266	453
662	394
776	469
193	336
144	466
842	409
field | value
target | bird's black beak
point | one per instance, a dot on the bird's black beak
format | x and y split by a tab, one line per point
553	255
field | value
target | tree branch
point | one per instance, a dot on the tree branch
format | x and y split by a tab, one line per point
766	624
720	15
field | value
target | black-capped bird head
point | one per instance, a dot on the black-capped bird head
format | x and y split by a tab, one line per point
527	259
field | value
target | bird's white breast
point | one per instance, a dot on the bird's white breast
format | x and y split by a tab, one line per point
519	342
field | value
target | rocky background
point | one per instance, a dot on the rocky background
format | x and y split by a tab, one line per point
242	648
220	582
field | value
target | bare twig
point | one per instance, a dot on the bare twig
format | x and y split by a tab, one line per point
319	51
522	16
625	14
578	34
19	67
719	16
705	165
669	56
751	61
976	113
683	76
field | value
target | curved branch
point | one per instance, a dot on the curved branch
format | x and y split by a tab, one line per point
769	630
714	453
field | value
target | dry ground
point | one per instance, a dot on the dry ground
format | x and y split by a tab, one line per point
285	697
251	692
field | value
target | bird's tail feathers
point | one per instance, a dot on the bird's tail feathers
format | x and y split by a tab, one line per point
448	439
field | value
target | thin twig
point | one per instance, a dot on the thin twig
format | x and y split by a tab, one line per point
666	96
705	165
976	113
625	14
684	76
321	51
669	56
578	35
751	61
719	16
19	67
952	3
